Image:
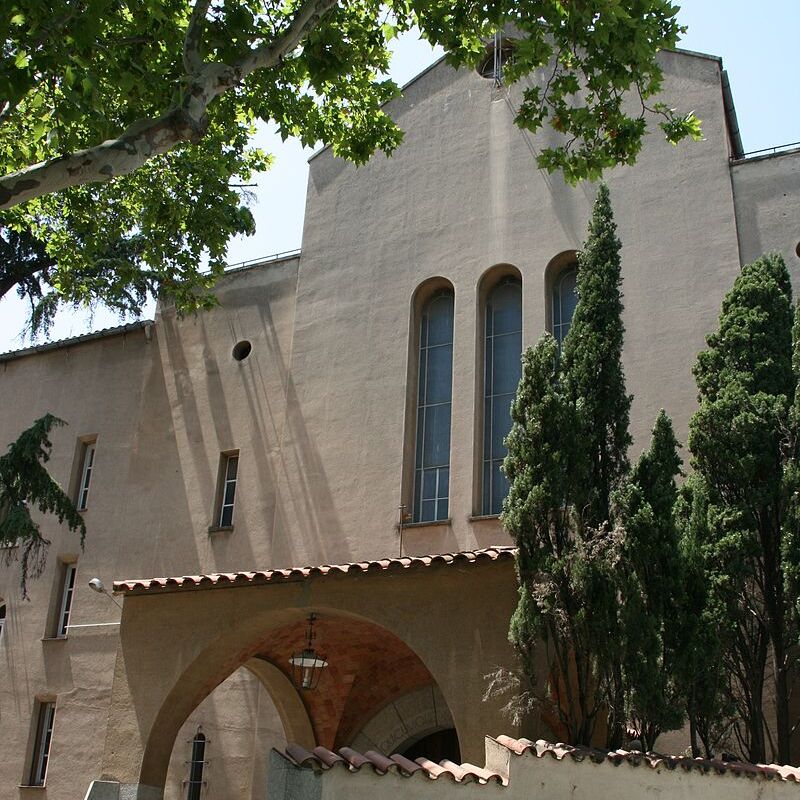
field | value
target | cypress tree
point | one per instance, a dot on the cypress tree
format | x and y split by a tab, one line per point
592	373
743	441
567	453
701	663
650	575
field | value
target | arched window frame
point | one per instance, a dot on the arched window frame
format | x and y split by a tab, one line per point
492	279
412	509
560	269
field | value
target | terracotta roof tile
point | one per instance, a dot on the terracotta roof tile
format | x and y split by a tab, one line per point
323	759
540	749
139	585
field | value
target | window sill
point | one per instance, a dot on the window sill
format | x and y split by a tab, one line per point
483	517
32	786
430	524
220	528
55	638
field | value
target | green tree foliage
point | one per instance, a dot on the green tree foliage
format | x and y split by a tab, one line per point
701	667
650	575
592	372
125	127
26	484
599	563
566	456
744	441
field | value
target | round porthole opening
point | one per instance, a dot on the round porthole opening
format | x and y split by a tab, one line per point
241	350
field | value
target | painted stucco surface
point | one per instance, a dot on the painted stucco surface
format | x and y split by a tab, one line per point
321	413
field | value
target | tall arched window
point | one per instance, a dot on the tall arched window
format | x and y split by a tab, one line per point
434	398
565	298
2	618
501	374
194	785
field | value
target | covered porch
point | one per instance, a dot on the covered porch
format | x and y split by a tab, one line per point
409	642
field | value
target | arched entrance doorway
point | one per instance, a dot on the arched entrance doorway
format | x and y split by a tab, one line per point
375	693
239	725
387	628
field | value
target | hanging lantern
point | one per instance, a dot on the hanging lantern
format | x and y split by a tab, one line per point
307	664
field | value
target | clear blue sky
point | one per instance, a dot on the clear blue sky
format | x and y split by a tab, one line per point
758	43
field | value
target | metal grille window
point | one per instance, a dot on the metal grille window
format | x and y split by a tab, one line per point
87	465
502	371
2	619
434	400
565	298
67	590
230	467
194	785
41	749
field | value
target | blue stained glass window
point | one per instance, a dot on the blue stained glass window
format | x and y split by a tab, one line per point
432	462
502	371
565	298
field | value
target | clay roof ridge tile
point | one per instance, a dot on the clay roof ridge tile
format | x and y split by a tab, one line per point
560	750
786	772
301	756
381	763
655	760
433	769
460	772
354	758
406	765
484	775
327	757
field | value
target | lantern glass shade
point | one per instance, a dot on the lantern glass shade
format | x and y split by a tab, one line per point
307	666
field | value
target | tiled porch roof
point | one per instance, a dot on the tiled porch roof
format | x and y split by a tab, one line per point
185	582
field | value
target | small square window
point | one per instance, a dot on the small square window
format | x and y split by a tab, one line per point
41	746
85	478
226	489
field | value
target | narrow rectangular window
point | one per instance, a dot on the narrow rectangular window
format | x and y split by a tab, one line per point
502	371
229	468
194	785
434	400
41	747
65	608
87	465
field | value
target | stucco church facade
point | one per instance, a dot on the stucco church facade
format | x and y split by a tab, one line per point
344	406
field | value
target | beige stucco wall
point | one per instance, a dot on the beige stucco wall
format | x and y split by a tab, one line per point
767	191
461	195
318	411
240	724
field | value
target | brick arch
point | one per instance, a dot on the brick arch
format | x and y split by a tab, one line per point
368	667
